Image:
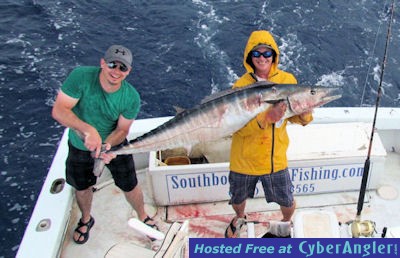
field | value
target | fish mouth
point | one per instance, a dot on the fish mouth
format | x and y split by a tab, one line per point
331	94
316	97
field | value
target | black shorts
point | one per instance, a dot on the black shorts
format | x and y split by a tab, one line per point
277	187
79	170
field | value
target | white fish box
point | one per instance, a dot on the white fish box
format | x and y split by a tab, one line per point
322	158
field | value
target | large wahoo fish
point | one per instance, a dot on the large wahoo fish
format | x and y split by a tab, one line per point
223	113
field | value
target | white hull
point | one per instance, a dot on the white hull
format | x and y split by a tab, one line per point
55	215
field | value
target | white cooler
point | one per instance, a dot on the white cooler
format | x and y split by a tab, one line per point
315	224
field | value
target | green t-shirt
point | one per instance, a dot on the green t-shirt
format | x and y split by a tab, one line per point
97	107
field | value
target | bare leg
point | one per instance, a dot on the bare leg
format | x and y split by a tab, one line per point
287	212
135	198
239	210
84	199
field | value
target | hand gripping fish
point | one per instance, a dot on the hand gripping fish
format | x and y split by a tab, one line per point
223	113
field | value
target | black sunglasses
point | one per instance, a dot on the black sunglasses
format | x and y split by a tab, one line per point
113	65
265	54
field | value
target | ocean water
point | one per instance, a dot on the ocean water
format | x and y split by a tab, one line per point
183	51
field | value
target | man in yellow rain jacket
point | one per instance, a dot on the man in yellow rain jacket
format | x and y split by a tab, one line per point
258	150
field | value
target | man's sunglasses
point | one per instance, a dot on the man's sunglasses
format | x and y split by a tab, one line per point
113	65
265	54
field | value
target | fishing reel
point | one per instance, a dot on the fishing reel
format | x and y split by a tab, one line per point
365	228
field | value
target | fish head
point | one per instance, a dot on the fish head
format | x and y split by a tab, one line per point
300	98
306	98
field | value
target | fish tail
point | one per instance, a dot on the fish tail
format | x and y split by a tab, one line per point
98	167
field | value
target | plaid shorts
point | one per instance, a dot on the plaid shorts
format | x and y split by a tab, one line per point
79	170
277	187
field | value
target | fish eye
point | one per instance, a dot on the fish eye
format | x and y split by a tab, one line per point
313	91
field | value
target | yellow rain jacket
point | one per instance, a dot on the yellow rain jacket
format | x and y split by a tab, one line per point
257	151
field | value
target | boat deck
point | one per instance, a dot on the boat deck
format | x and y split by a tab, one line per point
55	216
209	220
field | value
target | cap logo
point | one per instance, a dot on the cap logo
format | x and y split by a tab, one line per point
120	51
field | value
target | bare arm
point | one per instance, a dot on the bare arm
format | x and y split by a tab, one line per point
271	115
120	132
116	137
62	112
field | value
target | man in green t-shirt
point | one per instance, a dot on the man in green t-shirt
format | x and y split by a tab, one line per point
100	106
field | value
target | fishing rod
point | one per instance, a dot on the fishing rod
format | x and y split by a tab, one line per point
358	227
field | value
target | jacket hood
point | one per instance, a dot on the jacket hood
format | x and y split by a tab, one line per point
257	38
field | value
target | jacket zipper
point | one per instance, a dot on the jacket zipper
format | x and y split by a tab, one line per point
272	148
272	157
273	130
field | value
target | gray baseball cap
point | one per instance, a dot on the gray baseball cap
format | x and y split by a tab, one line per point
119	53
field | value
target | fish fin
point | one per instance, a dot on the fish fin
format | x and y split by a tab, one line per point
229	91
178	109
188	149
273	101
217	95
